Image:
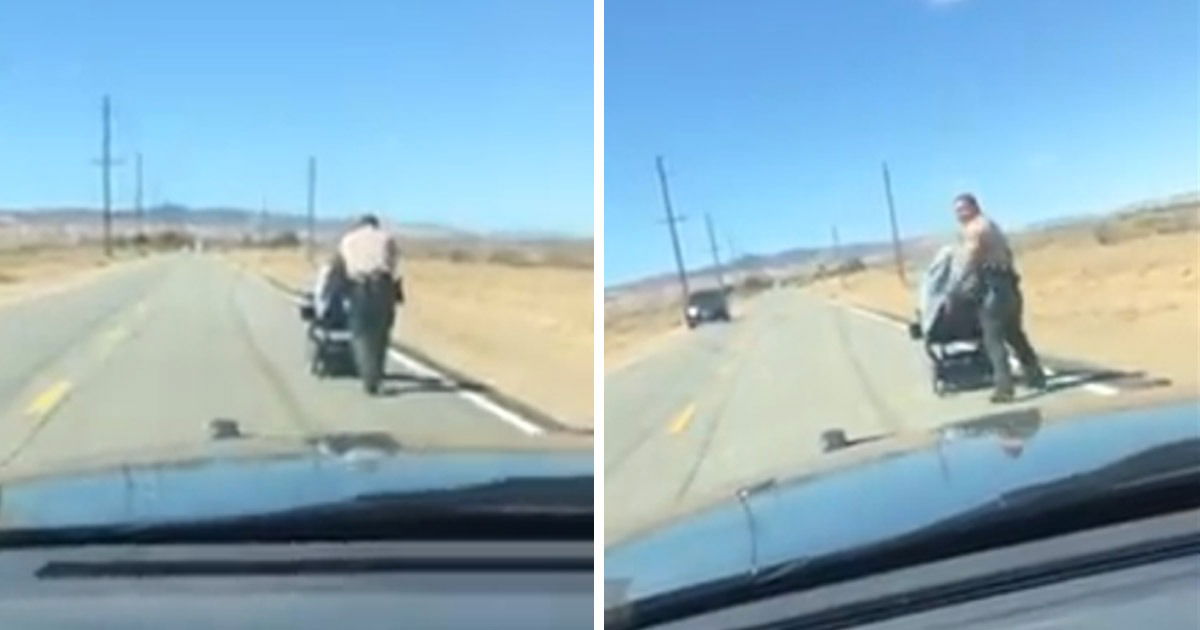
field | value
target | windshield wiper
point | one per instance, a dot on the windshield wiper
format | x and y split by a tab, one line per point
514	509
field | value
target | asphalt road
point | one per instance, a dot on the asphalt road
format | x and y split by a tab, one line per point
729	405
135	364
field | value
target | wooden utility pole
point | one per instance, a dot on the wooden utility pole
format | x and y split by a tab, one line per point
887	186
139	210
671	221
262	223
712	243
837	256
106	171
312	207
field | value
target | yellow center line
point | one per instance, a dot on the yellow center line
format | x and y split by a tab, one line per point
681	421
48	399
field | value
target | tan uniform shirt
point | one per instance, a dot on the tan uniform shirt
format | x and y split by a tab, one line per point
986	245
366	250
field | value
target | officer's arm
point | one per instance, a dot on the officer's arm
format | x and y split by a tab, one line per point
972	252
972	246
392	256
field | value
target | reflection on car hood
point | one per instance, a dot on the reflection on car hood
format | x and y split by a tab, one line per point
969	466
241	486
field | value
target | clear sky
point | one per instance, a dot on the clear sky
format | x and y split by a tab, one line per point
467	112
774	115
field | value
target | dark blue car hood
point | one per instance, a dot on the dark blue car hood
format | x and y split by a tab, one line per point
969	467
229	487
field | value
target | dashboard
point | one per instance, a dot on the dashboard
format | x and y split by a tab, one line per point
299	586
1159	590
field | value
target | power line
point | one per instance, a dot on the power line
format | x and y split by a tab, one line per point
671	221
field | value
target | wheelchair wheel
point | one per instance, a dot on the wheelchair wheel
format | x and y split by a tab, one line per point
316	360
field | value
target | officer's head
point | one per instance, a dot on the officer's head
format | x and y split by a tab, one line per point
966	207
368	220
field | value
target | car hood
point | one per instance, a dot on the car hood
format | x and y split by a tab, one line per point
332	471
968	466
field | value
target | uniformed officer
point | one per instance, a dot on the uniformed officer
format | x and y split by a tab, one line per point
995	287
370	257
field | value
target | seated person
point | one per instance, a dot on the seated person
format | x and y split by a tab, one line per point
330	293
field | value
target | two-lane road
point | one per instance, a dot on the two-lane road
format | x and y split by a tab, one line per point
725	406
141	359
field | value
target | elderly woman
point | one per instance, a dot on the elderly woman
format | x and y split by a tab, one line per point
331	293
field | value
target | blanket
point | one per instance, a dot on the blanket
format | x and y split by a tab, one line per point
938	284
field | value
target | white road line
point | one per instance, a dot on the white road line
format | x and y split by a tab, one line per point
475	398
1100	389
421	369
875	316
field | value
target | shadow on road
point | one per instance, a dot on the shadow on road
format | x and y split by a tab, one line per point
401	384
1070	378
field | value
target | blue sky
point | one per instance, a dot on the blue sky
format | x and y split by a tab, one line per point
467	112
774	115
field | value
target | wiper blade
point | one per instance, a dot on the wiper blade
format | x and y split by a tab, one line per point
514	509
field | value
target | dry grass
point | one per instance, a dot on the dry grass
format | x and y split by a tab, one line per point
633	322
29	271
1129	302
526	330
559	253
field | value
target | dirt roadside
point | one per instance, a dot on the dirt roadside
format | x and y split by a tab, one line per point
31	272
524	330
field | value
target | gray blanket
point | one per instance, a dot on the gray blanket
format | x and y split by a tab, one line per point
937	285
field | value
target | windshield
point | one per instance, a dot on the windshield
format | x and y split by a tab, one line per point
927	214
344	231
707	299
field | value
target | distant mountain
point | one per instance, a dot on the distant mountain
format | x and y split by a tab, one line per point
762	263
228	221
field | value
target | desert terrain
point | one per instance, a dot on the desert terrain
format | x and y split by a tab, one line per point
37	270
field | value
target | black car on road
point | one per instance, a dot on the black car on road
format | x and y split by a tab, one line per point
710	305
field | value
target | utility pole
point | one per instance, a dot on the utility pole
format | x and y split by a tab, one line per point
671	221
887	186
312	207
712	243
106	164
262	223
837	256
137	203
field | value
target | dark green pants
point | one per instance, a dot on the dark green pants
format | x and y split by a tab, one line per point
372	311
1000	319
